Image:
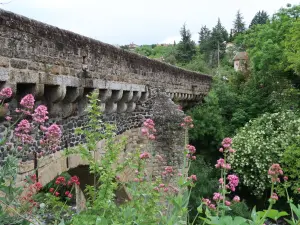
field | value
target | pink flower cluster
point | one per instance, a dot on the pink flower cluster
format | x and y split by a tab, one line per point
221	164
148	129
274	171
52	137
233	181
192	150
5	93
274	196
217	196
28	101
40	114
187	122
192	177
23	130
144	155
226	146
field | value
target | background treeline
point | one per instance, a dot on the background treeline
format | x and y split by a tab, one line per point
258	107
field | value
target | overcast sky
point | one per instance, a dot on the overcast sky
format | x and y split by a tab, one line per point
139	21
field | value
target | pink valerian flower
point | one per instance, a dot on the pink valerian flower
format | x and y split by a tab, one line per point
40	114
285	178
227	142
8	118
75	180
221	150
191	149
60	180
148	129
22	132
28	101
274	171
51	190
169	169
206	201
193	177
221	164
236	199
221	181
212	206
6	93
144	155
193	157
274	196
217	196
52	137
227	203
233	181
161	185
187	122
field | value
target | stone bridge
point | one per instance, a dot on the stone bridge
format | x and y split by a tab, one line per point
60	68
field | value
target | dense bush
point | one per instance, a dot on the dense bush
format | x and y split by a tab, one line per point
260	143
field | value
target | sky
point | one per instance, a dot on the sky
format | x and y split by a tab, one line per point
121	22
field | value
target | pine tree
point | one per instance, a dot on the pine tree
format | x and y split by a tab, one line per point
219	37
239	24
260	18
204	40
186	48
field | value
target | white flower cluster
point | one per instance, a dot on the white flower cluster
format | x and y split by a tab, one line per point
259	144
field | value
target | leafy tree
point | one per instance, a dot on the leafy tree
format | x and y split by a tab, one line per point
239	24
260	18
186	48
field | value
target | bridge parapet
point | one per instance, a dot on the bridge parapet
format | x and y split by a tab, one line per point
61	66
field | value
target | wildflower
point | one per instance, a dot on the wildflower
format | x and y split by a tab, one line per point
233	181
193	157
38	186
274	196
193	177
221	150
8	118
6	93
236	199
221	164
285	178
52	137
151	137
75	180
27	101
19	148
56	194
162	185
274	171
156	189
206	201
227	142
60	180
221	181
227	203
187	122
67	193
166	189
70	195
169	169
217	196
191	149
212	206
51	190
145	155
22	131
40	114
136	180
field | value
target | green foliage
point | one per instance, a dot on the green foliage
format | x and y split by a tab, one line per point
240	209
290	162
261	17
238	24
186	48
208	184
263	138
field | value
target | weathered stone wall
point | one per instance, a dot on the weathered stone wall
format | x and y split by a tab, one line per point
60	67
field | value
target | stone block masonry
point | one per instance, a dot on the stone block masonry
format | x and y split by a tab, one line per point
60	68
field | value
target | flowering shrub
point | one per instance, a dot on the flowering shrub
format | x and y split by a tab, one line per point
26	126
260	143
